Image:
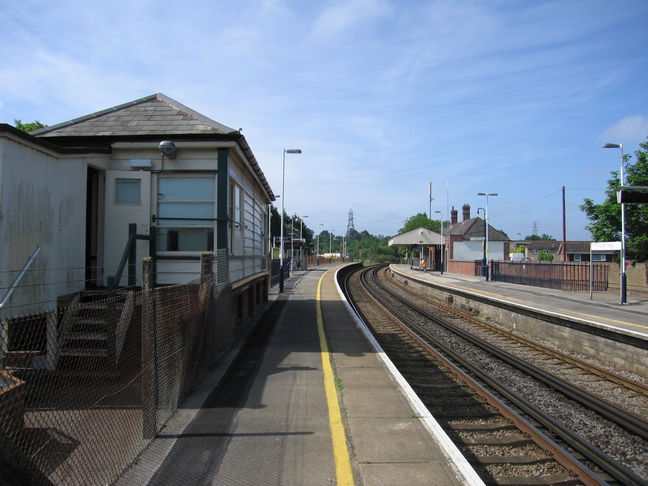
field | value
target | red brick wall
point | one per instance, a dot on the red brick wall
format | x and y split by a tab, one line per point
464	267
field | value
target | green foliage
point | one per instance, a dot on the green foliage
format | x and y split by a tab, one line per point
543	237
28	127
420	220
519	249
606	217
545	257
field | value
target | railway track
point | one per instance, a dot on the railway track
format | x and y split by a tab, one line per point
464	379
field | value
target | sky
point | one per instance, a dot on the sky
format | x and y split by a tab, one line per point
514	97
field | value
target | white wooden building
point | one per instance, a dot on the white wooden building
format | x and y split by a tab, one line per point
72	190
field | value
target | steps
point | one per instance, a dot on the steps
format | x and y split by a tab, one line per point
96	328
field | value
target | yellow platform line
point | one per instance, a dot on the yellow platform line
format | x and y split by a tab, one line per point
343	471
538	306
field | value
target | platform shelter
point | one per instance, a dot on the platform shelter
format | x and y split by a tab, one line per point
426	248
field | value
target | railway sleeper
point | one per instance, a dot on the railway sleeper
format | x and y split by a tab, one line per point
550	479
526	459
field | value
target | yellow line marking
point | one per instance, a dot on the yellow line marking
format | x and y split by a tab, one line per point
343	470
527	303
605	318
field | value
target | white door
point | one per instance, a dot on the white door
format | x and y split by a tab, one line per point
128	200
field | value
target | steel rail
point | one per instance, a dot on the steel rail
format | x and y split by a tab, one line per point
620	380
568	461
610	465
623	418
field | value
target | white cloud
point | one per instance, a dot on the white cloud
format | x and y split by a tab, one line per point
631	129
342	17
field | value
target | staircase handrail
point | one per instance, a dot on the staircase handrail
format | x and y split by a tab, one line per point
120	269
20	276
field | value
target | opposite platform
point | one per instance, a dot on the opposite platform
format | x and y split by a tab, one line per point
271	417
602	311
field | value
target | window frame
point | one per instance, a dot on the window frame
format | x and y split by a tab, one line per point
207	223
139	192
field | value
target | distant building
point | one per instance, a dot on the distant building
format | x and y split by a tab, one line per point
577	251
465	243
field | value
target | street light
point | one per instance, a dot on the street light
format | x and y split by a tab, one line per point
485	262
283	202
301	243
622	266
443	245
318	246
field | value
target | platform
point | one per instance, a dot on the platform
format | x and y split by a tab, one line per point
314	403
603	310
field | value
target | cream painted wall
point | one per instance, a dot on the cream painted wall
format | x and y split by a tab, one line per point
42	203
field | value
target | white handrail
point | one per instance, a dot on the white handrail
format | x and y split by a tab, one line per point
20	276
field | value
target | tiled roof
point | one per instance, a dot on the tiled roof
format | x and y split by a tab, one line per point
474	227
153	115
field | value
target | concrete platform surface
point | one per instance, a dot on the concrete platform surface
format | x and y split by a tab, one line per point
268	419
603	310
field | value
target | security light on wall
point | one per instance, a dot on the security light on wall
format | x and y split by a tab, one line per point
168	149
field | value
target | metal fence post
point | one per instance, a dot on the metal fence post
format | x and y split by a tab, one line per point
149	422
206	264
132	255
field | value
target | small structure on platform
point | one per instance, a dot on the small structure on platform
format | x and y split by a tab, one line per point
425	248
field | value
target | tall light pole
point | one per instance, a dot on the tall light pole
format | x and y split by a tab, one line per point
301	225
319	232
283	202
331	241
622	265
301	243
486	255
443	245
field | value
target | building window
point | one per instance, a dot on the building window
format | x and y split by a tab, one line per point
599	257
127	191
235	215
185	213
577	257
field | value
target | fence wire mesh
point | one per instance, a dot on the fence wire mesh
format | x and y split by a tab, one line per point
83	389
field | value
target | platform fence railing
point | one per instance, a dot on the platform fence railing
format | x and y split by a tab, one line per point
573	277
85	388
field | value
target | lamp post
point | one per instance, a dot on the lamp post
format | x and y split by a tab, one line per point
443	245
283	201
622	266
318	245
301	243
486	255
484	262
331	241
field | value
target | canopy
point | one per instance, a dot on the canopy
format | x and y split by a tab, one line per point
417	237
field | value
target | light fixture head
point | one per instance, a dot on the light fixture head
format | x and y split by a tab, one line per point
168	149
293	151
612	145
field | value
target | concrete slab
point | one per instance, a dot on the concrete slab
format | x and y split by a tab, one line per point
390	440
417	473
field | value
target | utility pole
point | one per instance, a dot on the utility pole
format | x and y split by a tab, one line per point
564	221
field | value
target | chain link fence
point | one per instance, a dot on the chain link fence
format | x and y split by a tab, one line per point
83	389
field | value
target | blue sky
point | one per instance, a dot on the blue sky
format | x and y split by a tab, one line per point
383	97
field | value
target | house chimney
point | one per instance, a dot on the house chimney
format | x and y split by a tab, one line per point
466	212
453	215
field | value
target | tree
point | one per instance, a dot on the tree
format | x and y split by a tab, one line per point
606	217
543	237
28	127
420	220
